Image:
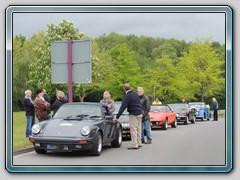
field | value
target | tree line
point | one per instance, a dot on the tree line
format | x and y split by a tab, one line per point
170	69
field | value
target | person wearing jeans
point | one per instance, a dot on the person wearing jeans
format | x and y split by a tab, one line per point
29	108
145	118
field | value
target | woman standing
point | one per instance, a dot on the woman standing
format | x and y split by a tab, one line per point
107	101
58	102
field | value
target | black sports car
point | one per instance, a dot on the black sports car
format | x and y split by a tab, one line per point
183	113
76	127
124	119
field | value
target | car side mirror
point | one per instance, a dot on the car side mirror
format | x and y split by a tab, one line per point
109	117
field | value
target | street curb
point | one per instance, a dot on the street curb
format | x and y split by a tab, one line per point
22	151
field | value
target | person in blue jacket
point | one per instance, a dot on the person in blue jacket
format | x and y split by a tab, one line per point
215	109
29	108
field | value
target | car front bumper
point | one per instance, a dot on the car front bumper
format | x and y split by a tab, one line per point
126	132
157	123
62	144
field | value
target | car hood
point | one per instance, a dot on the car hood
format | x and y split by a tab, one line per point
65	128
157	116
181	112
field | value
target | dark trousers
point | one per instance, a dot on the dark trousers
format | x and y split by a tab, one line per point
215	114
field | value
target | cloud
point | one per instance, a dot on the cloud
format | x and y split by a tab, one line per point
183	26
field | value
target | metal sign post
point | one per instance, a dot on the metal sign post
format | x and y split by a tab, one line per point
70	94
71	63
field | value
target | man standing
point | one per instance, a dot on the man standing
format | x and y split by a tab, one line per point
29	108
41	106
132	102
47	98
145	118
215	109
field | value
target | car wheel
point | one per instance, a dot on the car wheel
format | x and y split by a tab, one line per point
40	151
97	145
117	142
193	120
165	125
174	124
186	121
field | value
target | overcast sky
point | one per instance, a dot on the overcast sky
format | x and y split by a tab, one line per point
181	26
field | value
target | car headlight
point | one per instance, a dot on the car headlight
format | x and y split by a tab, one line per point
36	129
85	130
125	125
177	115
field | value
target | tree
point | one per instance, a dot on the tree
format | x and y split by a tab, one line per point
40	68
125	69
161	79
23	54
201	67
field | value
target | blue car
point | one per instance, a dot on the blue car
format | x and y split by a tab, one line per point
202	110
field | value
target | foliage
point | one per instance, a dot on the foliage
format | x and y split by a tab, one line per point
166	68
203	67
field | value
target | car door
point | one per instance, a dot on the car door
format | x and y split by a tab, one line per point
109	130
171	115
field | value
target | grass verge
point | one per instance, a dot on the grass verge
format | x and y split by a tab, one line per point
19	128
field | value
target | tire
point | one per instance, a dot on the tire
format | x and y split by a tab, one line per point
97	145
117	142
40	151
165	125
186	121
174	124
193	120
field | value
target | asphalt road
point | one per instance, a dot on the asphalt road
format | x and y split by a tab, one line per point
202	143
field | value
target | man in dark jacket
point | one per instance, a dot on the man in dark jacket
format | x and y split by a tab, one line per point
215	109
132	102
146	118
29	108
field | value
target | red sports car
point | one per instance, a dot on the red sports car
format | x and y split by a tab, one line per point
162	116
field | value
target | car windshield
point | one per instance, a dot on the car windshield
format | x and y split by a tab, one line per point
117	107
196	105
78	111
179	107
158	109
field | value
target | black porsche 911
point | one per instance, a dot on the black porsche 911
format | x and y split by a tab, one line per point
77	127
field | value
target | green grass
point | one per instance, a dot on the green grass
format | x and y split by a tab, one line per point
19	128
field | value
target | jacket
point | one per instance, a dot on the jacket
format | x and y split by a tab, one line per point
110	104
145	107
215	105
29	107
41	108
132	102
57	104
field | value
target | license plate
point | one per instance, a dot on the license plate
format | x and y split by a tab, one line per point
56	147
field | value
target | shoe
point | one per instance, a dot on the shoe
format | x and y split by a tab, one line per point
148	142
139	146
132	148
